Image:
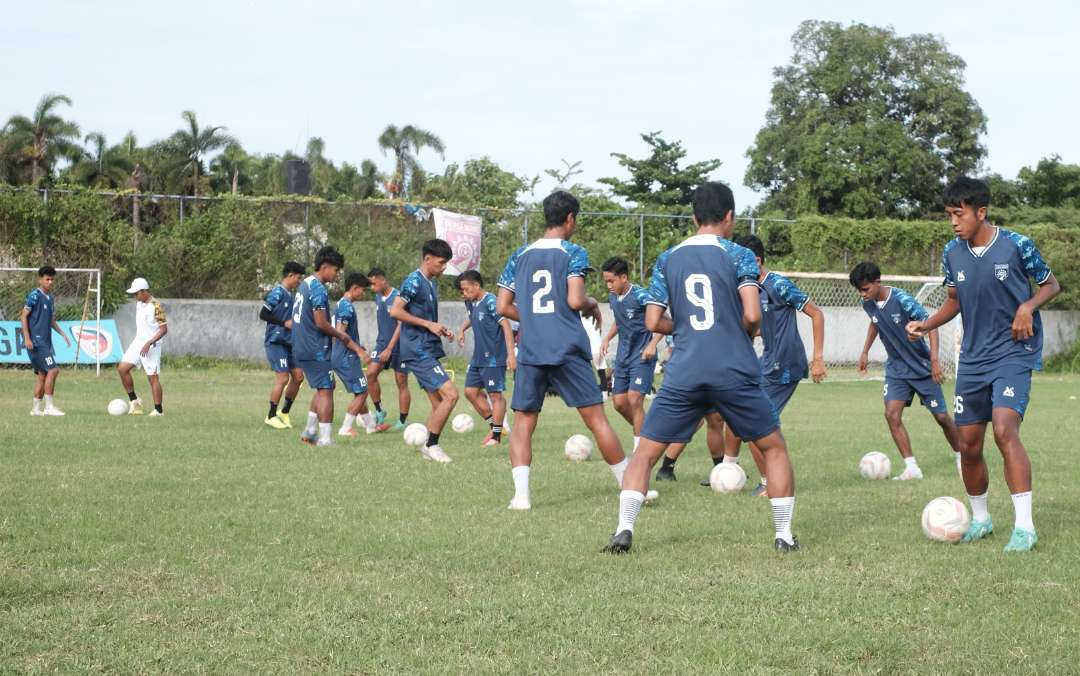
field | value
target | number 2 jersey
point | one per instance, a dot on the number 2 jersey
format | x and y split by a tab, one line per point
308	342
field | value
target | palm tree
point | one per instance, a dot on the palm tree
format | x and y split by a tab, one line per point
231	165
44	138
406	143
195	143
102	166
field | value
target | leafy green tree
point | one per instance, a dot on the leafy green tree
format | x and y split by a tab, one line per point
231	170
562	176
406	143
101	165
658	180
865	123
196	142
1050	183
358	184
480	182
44	138
1004	193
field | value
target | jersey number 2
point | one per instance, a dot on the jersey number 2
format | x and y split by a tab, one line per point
701	299
297	309
539	305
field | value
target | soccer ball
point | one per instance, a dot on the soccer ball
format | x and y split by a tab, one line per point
118	407
875	465
415	434
578	447
945	519
727	477
462	423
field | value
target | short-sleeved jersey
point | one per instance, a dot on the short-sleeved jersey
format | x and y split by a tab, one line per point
149	317
40	319
279	303
989	287
537	274
698	281
489	344
421	300
344	312
907	359
385	323
629	313
784	358
308	342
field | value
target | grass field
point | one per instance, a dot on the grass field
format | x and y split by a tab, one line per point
206	542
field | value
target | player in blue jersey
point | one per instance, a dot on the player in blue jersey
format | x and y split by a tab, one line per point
347	365
987	269
311	336
493	353
387	352
277	311
710	286
37	327
417	308
543	288
635	359
911	368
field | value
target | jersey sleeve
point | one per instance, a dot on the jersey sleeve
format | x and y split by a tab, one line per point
790	293
506	279
1031	258
317	296
641	295
159	313
658	290
746	267
410	287
273	298
910	307
946	268
345	311
579	261
32	299
490	306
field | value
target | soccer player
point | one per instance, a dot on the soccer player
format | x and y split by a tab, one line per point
37	327
635	359
151	326
986	271
311	336
417	308
277	312
493	353
347	365
387	353
710	286
548	276
910	369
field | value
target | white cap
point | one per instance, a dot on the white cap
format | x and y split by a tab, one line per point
138	284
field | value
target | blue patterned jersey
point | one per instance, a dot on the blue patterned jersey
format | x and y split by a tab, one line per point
698	281
990	286
279	303
40	319
385	323
907	358
421	300
308	342
489	344
629	312
537	274
784	358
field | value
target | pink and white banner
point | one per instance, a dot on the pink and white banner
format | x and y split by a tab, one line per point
463	233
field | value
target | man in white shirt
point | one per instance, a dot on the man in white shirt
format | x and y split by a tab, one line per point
145	350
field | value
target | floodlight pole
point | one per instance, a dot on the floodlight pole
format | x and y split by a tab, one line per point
641	247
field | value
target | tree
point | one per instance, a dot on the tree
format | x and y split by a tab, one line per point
563	176
44	138
865	123
358	184
480	182
195	142
406	143
230	169
657	180
1051	183
101	166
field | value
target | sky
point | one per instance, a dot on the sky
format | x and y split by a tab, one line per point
527	84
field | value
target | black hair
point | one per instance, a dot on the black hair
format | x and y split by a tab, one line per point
754	243
46	271
712	201
558	206
864	273
469	276
438	248
292	268
356	279
967	192
328	255
376	272
616	265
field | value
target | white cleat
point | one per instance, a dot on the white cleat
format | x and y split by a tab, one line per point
435	453
156	414
651	497
135	407
53	412
323	443
909	474
37	412
519	504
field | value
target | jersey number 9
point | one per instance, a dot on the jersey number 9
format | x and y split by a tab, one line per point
700	299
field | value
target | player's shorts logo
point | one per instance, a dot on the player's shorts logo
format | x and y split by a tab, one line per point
1001	271
491	383
637	381
1008	392
933	403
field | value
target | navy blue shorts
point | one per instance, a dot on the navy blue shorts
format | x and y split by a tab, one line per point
393	361
637	376
280	357
1008	386
675	414
574	381
905	389
318	374
351	372
490	378
428	371
43	360
780	394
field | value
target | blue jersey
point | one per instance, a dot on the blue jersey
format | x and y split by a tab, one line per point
784	358
308	342
489	344
989	287
40	319
698	281
421	300
629	312
279	303
385	323
344	312
907	359
551	331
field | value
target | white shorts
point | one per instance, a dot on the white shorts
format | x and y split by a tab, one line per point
150	364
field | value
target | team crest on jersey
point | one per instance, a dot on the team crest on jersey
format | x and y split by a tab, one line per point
480	316
960	276
896	318
1001	271
629	313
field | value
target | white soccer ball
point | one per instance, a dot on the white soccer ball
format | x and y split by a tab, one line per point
415	434
578	447
118	407
875	465
462	423
945	519
727	477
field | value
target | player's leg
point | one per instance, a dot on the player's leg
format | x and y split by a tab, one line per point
894	418
281	381
39	391
475	394
123	369
1011	390
401	379
948	428
444	397
636	401
498	416
355	409
156	393
292	390
521	454
973	410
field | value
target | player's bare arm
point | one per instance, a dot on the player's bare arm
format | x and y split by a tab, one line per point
650	350
508	336
324	325
398	312
505	306
656	322
462	330
864	356
1022	328
949	309
935	364
24	319
162	330
751	303
365	358
606	342
817	321
56	327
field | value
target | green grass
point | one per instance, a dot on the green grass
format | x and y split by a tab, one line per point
207	542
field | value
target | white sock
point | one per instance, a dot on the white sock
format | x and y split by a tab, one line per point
1022	508
48	401
367	420
730	459
37	404
324	431
979	510
637	440
350	419
764	480
782	510
957	456
630	503
911	462
521	481
312	423
618	469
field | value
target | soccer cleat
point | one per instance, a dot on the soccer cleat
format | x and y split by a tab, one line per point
620	543
435	453
978	530
284	418
351	432
909	474
519	504
784	547
705	482
37	412
276	423
135	407
666	474
52	411
759	491
309	439
397	427
156	414
380	417
323	443
1021	540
